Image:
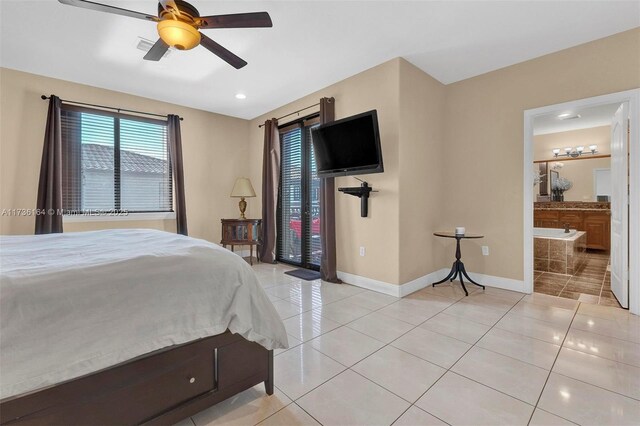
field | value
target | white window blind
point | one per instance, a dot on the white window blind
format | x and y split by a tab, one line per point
114	162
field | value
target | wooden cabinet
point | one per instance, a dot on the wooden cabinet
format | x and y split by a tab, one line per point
573	219
596	223
242	232
546	218
598	228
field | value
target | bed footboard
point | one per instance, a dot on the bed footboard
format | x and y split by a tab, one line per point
163	387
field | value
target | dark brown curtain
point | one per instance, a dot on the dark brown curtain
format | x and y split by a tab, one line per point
49	200
328	208
177	170
270	184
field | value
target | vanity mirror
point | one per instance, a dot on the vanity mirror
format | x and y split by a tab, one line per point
585	178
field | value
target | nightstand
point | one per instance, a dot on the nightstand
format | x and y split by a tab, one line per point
242	232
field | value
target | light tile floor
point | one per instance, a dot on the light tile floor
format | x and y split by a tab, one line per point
437	357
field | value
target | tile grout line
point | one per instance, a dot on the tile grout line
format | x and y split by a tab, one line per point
340	324
561	290
553	365
459	358
604	277
575	312
449	369
573	278
596	386
565	286
335	360
385	345
436	381
490	328
308	413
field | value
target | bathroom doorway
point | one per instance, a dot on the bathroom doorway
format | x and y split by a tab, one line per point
581	159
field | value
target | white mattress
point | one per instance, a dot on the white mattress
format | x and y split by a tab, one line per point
75	303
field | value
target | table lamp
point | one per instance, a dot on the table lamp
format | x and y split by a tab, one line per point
243	188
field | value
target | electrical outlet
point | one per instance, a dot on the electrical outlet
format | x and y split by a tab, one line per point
485	250
362	251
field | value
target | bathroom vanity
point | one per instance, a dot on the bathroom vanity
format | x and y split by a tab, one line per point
592	217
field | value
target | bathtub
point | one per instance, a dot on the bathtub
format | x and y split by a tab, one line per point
553	233
557	251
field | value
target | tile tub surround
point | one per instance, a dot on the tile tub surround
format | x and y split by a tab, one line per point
538	360
560	255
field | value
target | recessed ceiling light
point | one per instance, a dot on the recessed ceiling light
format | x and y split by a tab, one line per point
568	116
241	96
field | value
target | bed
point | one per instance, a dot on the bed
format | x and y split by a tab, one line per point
128	327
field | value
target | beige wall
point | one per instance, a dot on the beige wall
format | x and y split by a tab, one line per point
421	165
397	235
484	139
544	144
376	88
215	148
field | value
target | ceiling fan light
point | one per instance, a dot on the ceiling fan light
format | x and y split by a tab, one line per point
178	34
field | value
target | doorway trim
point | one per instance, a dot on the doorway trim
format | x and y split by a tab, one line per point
633	98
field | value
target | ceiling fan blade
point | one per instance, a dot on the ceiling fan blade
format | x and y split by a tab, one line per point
170	6
157	51
109	9
236	20
223	53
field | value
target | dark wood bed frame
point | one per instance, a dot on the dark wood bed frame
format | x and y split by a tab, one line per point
160	388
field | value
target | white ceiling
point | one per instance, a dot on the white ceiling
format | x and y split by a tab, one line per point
589	117
312	44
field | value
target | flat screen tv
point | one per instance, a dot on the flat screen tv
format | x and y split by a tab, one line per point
350	146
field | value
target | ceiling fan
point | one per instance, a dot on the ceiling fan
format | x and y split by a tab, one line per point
179	23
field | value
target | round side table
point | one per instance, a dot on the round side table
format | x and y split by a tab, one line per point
457	270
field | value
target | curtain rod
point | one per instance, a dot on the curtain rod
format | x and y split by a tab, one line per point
294	112
44	97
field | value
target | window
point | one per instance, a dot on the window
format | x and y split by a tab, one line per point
298	203
114	162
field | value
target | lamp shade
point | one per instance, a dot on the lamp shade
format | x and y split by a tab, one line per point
178	34
243	188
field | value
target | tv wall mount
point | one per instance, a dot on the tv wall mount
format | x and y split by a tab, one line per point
361	192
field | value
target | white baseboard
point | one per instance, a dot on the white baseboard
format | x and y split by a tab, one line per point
426	280
370	284
499	282
422	282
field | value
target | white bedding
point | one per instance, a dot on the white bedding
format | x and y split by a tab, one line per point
75	303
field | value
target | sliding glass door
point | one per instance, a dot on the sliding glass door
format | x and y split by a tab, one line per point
298	198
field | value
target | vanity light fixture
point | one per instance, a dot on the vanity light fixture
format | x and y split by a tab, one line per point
575	152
